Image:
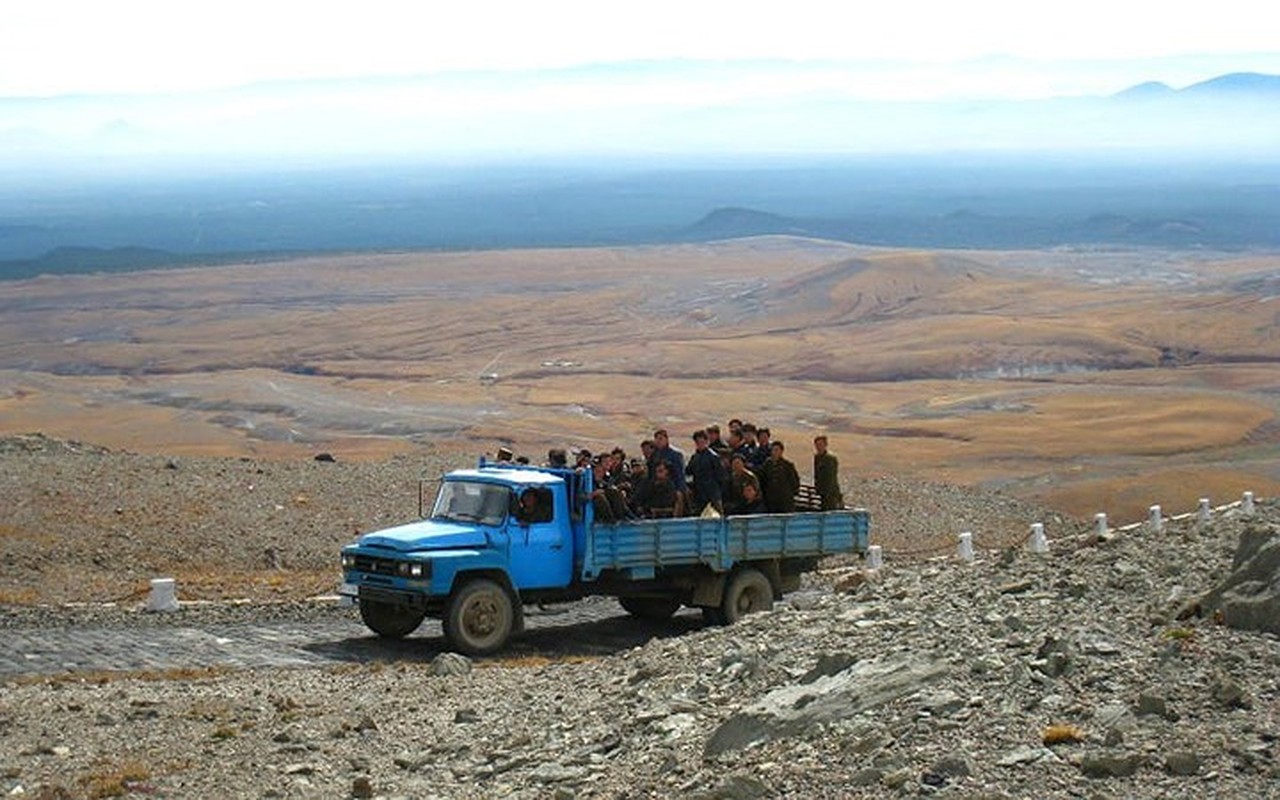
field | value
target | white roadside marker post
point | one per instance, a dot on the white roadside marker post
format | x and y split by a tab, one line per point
1101	523
1038	544
965	549
1154	520
1246	504
875	557
163	595
1205	511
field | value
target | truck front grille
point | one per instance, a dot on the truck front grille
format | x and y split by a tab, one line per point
379	566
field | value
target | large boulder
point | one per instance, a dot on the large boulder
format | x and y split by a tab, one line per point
1249	599
793	710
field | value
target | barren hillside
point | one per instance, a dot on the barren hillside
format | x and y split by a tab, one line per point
1089	380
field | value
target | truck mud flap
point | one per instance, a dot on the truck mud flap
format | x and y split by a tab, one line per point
709	589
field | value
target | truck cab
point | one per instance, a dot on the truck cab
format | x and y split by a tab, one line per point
492	533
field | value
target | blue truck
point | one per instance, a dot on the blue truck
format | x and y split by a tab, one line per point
478	557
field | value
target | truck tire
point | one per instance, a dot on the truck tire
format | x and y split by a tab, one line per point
654	608
388	620
748	591
479	617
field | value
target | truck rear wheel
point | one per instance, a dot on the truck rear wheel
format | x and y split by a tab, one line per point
748	591
479	618
654	608
389	620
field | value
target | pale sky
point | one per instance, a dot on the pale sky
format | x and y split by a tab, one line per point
54	47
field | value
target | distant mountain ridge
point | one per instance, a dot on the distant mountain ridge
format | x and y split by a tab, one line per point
964	228
636	108
1237	83
1248	85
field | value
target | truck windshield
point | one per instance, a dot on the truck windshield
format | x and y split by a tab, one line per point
472	501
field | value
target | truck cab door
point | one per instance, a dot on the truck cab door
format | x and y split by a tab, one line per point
542	543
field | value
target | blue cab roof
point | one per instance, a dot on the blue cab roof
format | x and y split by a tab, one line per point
511	475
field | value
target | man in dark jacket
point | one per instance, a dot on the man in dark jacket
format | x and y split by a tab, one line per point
826	475
663	500
665	453
706	472
739	476
781	481
751	502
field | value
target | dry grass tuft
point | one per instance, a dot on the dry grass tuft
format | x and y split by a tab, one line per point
22	596
1062	734
116	780
103	677
521	662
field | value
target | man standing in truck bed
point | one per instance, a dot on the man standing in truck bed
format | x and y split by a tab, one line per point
706	473
781	481
664	453
826	475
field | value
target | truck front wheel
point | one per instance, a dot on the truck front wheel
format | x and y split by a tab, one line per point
479	617
748	591
389	620
654	608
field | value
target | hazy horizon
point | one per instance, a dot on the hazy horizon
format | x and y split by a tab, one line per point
494	80
641	110
252	128
914	49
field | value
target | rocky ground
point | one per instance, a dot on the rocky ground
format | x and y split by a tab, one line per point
1016	675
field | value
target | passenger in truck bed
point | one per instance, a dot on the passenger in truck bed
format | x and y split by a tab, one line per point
663	499
751	502
607	501
780	481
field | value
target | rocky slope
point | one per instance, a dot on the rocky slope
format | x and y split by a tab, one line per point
84	524
1016	675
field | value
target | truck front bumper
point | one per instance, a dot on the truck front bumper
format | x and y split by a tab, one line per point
395	591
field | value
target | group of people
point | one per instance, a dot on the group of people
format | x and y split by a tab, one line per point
745	472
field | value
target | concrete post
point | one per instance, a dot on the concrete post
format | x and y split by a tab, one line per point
1246	504
875	557
1101	521
1154	520
163	595
965	549
1205	511
1038	544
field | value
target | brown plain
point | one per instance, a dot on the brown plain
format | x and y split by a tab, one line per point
1085	381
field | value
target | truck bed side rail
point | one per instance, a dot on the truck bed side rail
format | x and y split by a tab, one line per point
762	536
639	548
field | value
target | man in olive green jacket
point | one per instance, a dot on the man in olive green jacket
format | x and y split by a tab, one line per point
826	475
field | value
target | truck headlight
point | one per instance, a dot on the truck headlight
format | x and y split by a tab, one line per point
410	569
348	561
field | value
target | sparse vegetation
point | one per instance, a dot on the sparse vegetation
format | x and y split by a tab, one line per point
1062	734
1036	372
116	780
